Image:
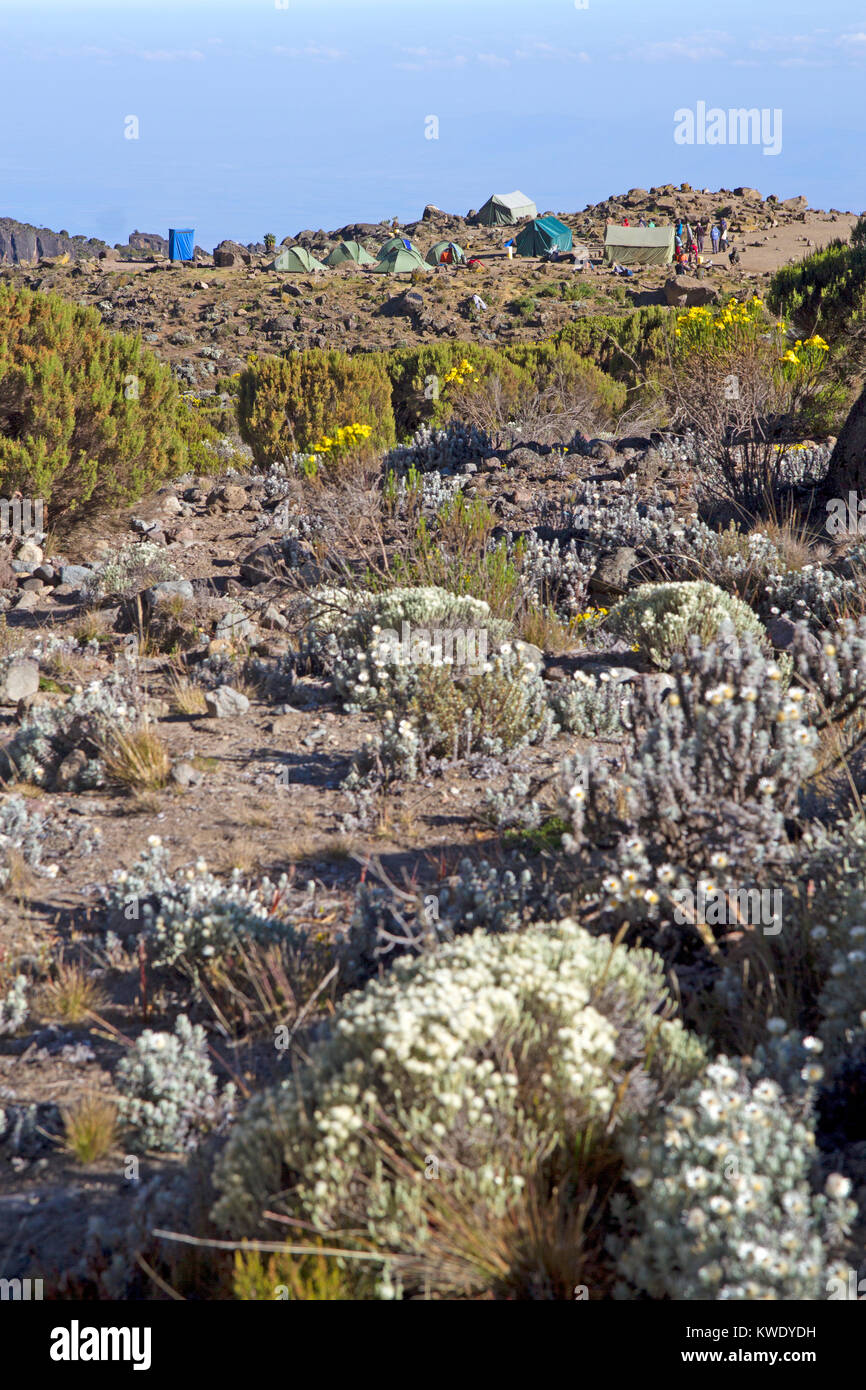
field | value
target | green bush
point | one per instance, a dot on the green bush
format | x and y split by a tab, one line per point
287	404
826	291
660	618
88	418
421	395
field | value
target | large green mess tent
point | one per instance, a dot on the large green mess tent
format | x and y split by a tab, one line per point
504	209
350	251
541	235
396	243
638	245
445	253
296	258
399	261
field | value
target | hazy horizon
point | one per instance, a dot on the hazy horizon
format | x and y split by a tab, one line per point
268	116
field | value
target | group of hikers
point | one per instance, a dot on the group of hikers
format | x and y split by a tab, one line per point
689	244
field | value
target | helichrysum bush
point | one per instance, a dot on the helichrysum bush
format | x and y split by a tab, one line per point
660	618
438	717
14	1006
88	418
288	404
703	785
169	1094
495	1050
22	832
47	736
724	1207
192	916
136	565
430	449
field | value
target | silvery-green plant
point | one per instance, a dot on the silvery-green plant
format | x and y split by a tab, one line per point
14	1006
704	781
22	832
432	449
490	1050
660	618
590	707
47	735
135	566
193	917
724	1208
554	575
169	1094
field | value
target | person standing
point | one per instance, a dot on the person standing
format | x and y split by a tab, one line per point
699	235
723	234
714	238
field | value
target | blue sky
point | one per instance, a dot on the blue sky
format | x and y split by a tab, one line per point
261	115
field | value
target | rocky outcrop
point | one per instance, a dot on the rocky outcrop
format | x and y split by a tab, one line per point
21	242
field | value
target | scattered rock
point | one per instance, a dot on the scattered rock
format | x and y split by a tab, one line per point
611	577
184	775
226	703
20	680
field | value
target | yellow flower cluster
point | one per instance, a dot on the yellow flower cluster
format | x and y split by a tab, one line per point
344	438
459	373
592	615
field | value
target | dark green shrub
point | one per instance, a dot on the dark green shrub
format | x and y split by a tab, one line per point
287	404
88	418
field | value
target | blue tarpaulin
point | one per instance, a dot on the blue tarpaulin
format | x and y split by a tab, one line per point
181	243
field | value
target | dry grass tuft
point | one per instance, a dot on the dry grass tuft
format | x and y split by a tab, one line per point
138	761
91	1127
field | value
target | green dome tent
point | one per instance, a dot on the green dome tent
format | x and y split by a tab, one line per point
541	235
297	259
349	251
504	209
398	242
445	252
398	261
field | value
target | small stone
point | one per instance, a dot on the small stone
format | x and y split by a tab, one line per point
70	769
225	702
20	680
76	575
27	603
184	775
29	553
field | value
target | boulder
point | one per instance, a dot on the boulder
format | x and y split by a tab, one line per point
231	253
225	702
19	680
685	292
611	576
746	193
229	498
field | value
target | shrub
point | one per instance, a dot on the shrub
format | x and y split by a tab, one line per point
724	1208
14	1006
193	917
437	716
661	618
705	783
48	737
287	405
169	1094
733	379
88	418
497	1055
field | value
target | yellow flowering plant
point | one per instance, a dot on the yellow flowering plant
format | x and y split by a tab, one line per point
738	381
